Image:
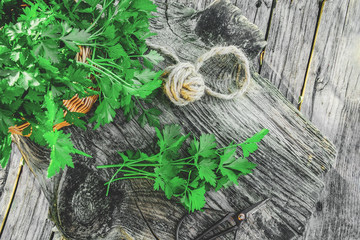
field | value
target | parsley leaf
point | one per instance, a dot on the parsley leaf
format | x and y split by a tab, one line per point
242	165
72	35
154	57
170	138
150	116
147	75
5	149
250	145
61	146
74	118
116	51
144	5
174	187
228	157
194	199
206	171
104	113
47	49
207	145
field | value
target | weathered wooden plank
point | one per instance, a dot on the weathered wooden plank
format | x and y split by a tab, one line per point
332	102
292	159
7	180
28	216
257	12
289	45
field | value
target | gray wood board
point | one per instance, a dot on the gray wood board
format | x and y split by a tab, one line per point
258	12
291	160
332	94
290	38
289	45
28	215
332	102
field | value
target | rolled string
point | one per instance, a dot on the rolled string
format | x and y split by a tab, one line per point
184	84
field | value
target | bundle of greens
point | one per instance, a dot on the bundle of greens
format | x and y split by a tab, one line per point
188	178
38	70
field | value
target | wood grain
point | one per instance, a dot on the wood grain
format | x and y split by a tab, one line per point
289	45
332	102
292	160
290	37
331	99
28	216
258	12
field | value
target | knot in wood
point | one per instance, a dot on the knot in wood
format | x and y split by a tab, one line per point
184	84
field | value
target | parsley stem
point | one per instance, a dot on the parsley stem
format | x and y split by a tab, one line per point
93	45
128	171
102	70
146	165
110	65
136	174
182	159
139	103
236	145
123	178
110	166
187	183
148	159
37	36
183	163
141	171
94	51
76	5
108	187
101	13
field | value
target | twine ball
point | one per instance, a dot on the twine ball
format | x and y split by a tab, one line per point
184	84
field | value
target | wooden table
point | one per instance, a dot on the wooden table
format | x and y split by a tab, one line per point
331	102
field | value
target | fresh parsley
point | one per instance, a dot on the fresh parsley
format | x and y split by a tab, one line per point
205	166
38	44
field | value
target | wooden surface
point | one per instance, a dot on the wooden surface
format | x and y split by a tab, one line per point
28	216
333	104
292	160
291	163
332	100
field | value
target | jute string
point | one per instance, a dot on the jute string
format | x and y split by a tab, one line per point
184	84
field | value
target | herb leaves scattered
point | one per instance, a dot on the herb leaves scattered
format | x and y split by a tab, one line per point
205	166
38	71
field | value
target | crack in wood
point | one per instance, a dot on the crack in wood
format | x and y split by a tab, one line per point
262	54
3	223
302	94
142	215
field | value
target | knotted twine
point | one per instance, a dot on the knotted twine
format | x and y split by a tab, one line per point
184	83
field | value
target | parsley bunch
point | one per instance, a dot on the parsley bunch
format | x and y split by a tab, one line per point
38	70
188	178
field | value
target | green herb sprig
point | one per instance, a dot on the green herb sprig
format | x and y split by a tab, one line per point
38	71
188	178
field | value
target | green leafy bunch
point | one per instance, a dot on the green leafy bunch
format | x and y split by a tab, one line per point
189	177
8	10
38	70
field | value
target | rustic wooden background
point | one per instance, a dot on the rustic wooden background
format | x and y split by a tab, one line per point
331	102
